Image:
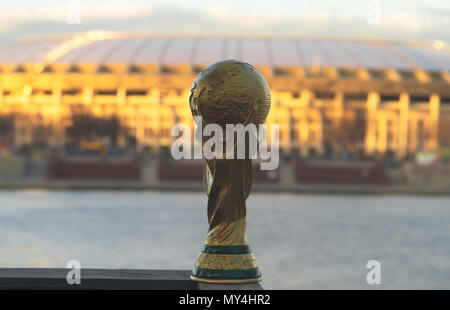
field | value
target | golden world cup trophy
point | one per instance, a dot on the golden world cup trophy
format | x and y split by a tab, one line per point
228	92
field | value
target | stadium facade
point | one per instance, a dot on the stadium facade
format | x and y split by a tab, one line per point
365	97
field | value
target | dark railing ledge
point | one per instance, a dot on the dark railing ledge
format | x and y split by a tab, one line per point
107	279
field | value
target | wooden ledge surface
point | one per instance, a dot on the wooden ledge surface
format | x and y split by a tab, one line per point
109	279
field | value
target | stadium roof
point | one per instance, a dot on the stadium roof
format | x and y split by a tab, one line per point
275	52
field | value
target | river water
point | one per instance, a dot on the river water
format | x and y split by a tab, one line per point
300	241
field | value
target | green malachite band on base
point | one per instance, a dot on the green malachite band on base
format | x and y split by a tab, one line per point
232	249
253	273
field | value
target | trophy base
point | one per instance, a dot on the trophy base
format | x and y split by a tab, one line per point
226	281
226	264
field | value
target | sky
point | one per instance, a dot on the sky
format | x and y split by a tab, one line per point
400	20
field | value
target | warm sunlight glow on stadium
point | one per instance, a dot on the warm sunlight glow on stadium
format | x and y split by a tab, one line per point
368	97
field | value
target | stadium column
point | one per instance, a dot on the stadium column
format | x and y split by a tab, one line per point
339	112
373	100
433	141
413	136
121	96
339	106
88	95
57	137
120	109
319	132
184	114
402	147
382	129
155	101
282	115
88	98
272	116
136	124
1	99
306	97
27	112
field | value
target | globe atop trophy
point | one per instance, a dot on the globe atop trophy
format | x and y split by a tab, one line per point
228	92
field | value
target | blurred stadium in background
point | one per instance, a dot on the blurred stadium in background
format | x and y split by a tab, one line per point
104	94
